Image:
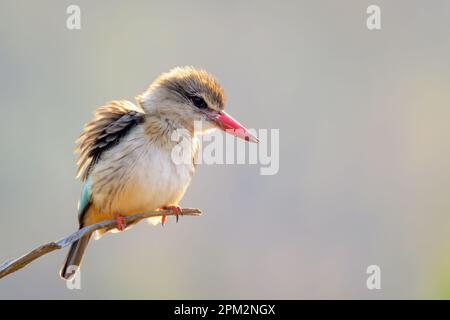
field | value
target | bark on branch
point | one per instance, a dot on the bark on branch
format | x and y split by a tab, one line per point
13	265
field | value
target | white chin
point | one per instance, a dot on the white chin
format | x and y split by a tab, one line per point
208	126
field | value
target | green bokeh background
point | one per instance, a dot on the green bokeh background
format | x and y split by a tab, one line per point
364	147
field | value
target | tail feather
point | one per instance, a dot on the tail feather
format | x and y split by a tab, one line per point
74	257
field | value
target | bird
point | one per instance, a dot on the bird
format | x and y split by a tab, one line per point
125	152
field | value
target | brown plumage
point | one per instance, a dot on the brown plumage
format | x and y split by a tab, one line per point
181	84
110	123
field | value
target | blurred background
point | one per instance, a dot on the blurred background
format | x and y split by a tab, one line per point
364	147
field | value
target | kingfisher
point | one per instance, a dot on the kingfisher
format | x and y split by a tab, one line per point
125	152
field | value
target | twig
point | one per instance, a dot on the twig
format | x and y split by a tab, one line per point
13	265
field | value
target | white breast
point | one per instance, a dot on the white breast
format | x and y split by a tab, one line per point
137	176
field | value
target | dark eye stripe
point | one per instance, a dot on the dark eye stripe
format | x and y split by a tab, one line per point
199	102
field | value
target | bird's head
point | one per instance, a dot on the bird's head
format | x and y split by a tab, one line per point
187	95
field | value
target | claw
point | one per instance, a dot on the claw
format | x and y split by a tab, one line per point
120	222
175	209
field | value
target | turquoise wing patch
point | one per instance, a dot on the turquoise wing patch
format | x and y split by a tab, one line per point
85	199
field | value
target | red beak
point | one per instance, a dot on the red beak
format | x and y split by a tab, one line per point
231	126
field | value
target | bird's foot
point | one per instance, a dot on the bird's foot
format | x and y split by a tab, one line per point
176	211
120	222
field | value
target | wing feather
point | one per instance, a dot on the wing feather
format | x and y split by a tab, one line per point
110	123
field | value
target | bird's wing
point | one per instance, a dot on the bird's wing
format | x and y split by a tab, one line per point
111	122
85	201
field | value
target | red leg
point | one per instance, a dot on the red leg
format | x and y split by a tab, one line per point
175	209
120	222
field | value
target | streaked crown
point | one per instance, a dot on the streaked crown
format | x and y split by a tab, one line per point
188	84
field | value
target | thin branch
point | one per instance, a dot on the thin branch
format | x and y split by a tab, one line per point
13	265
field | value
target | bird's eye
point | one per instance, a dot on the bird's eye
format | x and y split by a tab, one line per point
199	102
